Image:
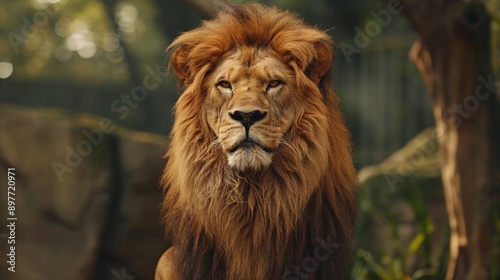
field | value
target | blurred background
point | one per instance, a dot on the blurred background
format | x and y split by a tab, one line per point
85	110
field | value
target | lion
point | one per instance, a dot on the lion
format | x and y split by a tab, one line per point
259	179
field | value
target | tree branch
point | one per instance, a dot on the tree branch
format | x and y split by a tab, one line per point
206	8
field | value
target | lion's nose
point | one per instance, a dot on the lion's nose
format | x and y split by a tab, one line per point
247	119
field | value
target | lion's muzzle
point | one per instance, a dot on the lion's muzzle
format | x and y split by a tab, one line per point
247	119
247	150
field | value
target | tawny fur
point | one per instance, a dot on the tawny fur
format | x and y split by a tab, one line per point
226	223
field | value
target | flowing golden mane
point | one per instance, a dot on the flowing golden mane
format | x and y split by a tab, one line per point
286	208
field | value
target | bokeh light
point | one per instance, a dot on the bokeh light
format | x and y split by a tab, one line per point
63	54
80	39
6	69
127	17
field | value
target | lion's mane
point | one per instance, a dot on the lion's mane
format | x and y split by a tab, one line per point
260	224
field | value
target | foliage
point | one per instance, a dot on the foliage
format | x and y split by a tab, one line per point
494	9
84	40
393	265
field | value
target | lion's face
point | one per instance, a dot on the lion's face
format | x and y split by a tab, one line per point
250	105
259	164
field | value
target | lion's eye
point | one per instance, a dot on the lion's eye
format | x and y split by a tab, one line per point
224	84
274	83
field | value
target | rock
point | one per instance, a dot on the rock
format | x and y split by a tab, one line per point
87	196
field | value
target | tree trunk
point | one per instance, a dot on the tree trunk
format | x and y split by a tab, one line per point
453	56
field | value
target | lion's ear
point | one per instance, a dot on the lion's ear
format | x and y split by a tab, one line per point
321	61
190	56
179	62
313	54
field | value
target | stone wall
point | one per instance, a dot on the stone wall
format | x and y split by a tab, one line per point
87	197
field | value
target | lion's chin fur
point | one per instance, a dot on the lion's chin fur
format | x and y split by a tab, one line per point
270	221
249	158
